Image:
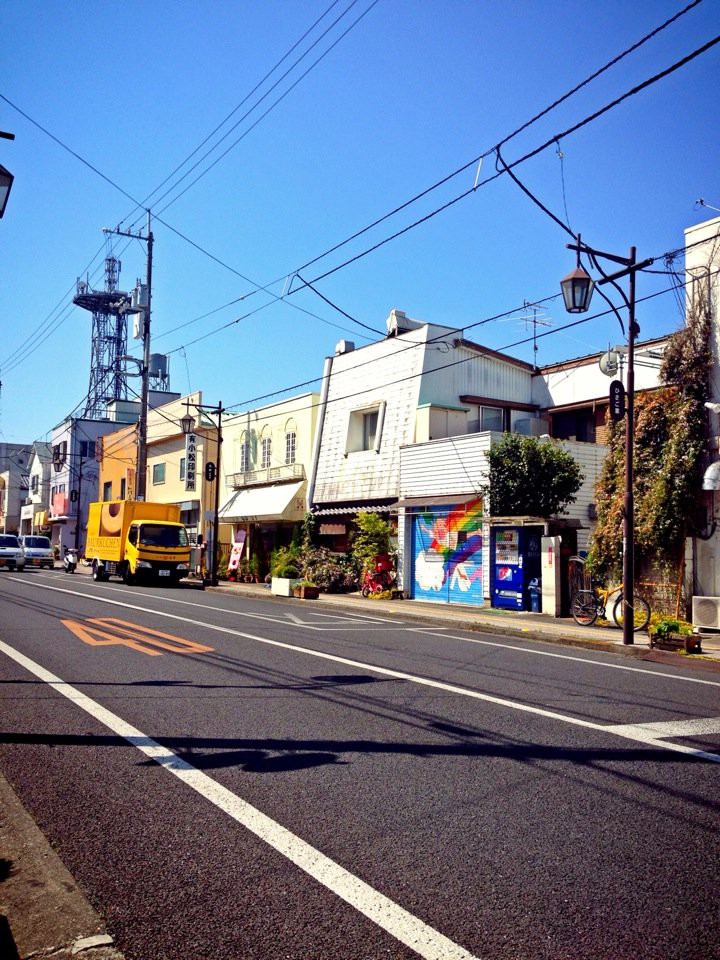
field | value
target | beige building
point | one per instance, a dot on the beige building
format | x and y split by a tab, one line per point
267	457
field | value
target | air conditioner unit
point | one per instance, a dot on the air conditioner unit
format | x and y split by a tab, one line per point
706	613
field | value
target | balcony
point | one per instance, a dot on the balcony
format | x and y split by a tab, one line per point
255	478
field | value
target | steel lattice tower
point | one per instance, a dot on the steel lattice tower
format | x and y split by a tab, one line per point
108	380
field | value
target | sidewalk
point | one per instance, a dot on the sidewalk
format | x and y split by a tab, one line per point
43	913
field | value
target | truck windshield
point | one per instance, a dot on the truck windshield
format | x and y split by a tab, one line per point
160	535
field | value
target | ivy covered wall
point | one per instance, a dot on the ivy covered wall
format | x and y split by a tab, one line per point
670	437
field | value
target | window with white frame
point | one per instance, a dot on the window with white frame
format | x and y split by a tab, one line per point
266	453
290	446
87	449
365	429
158	473
244	455
182	468
491	418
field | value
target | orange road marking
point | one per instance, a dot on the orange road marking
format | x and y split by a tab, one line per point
109	631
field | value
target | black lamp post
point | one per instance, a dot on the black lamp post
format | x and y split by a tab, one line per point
212	473
577	289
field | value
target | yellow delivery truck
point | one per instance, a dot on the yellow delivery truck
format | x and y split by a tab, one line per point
136	540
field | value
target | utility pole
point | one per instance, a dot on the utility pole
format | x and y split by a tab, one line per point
141	478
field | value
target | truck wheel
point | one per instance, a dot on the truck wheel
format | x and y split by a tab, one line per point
128	577
98	575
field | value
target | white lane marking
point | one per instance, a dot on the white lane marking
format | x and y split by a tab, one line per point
442	632
335	618
566	656
674	728
384	912
620	731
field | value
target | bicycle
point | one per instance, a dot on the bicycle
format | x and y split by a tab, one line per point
587	606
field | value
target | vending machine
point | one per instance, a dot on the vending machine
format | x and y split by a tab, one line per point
515	563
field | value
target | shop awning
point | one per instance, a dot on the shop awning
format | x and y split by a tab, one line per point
350	509
282	501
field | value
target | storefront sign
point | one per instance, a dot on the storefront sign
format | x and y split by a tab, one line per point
190	461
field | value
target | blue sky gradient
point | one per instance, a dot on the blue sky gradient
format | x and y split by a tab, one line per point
412	92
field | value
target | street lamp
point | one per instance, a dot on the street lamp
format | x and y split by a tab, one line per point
6	178
212	473
577	289
6	181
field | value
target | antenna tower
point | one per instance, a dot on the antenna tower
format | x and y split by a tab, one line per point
108	379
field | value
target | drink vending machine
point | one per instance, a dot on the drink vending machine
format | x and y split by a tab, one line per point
515	565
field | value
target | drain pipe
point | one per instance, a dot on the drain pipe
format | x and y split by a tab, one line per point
327	370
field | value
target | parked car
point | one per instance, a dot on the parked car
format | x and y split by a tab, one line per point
12	554
38	551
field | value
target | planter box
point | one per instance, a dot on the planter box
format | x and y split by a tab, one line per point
282	586
690	643
306	593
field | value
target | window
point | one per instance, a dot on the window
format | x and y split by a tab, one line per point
182	468
365	429
87	449
290	447
34	483
369	429
158	473
123	488
266	452
491	418
107	490
245	456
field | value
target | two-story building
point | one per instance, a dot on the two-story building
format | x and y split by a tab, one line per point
268	455
34	510
14	460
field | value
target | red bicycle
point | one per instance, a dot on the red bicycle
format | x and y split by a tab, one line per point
380	578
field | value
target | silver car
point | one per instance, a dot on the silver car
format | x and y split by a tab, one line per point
38	551
12	554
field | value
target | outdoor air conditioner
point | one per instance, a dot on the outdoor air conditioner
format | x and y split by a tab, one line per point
706	613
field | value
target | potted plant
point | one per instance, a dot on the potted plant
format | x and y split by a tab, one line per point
672	634
285	572
306	590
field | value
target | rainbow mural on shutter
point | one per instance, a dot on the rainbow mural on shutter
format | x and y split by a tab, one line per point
447	553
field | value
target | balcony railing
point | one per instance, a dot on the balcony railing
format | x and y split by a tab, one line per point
253	478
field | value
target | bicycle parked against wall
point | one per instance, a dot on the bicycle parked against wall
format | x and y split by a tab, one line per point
587	606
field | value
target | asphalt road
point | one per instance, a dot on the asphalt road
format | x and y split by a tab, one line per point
232	779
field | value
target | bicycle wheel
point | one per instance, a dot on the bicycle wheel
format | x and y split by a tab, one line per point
584	608
641	613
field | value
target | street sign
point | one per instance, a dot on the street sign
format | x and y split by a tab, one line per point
617	401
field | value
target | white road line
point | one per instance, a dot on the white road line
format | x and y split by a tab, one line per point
627	732
423	939
674	728
342	618
566	656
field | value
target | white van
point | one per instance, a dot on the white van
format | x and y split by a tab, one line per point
38	552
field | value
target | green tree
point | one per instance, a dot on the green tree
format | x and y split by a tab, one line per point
529	477
371	537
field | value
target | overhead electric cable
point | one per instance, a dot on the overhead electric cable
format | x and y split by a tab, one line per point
146	201
269	109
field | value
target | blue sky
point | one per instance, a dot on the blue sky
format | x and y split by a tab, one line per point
415	90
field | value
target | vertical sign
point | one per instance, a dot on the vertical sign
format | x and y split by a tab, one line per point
617	401
190	461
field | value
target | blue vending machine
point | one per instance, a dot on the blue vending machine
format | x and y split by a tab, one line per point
515	562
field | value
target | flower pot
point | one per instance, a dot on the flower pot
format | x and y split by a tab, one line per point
305	592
